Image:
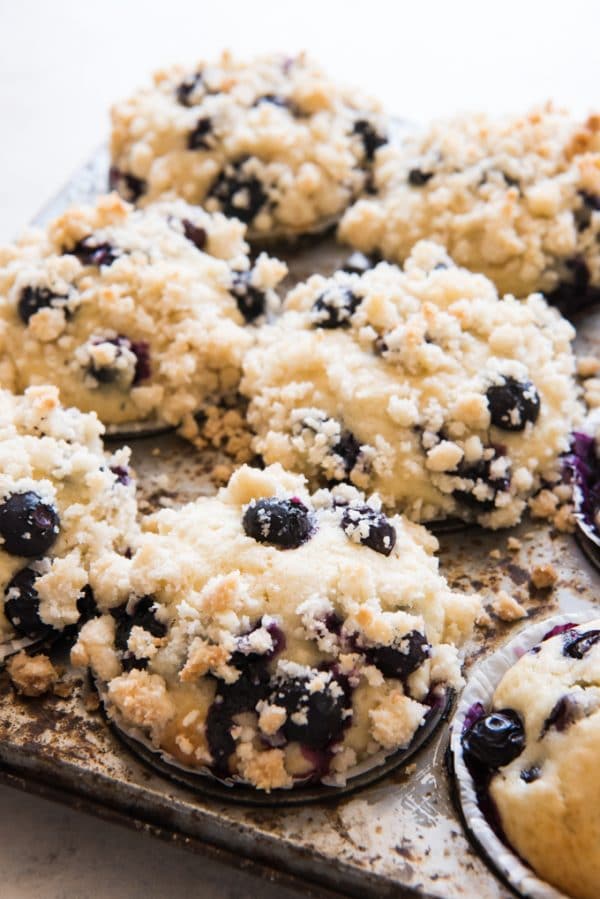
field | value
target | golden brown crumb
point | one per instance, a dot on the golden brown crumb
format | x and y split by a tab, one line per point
507	608
513	544
220	474
202	658
588	366
495	554
64	688
484	621
544	504
31	675
143	700
226	431
91	702
591	392
266	769
564	520
544	575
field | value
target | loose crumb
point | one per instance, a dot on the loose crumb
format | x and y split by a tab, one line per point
588	366
31	675
507	608
544	576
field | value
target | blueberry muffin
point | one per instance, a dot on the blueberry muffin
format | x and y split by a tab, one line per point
421	384
538	748
279	636
517	198
273	142
134	314
67	516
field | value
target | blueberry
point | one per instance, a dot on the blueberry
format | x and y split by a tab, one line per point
108	374
86	606
479	472
233	699
564	713
590	200
371	139
32	299
374	529
495	739
333	623
418	178
251	301
218	735
142	616
348	449
187	88
22	605
529	775
28	525
198	138
576	645
141	351
401	658
240	195
251	686
576	290
272	100
510	181
513	404
583	215
358	263
122	474
129	186
282	522
244	655
334	308
230	700
90	253
322	714
195	234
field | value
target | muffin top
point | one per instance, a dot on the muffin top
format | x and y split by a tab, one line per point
516	198
67	515
544	734
424	385
134	314
272	141
276	635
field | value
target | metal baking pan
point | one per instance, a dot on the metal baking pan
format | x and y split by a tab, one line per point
399	837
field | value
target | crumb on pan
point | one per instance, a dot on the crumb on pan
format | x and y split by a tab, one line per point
32	675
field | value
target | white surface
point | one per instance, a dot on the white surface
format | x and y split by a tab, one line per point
62	62
51	852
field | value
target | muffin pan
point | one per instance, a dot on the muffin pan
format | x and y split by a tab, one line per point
401	836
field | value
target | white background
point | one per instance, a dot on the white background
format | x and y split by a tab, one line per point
63	62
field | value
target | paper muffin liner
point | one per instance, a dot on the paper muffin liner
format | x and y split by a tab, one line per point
480	689
303	790
14	645
131	430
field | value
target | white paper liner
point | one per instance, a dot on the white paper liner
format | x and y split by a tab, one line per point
291	235
480	689
132	429
9	648
332	781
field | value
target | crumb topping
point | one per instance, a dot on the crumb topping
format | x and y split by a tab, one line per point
272	141
440	395
515	198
